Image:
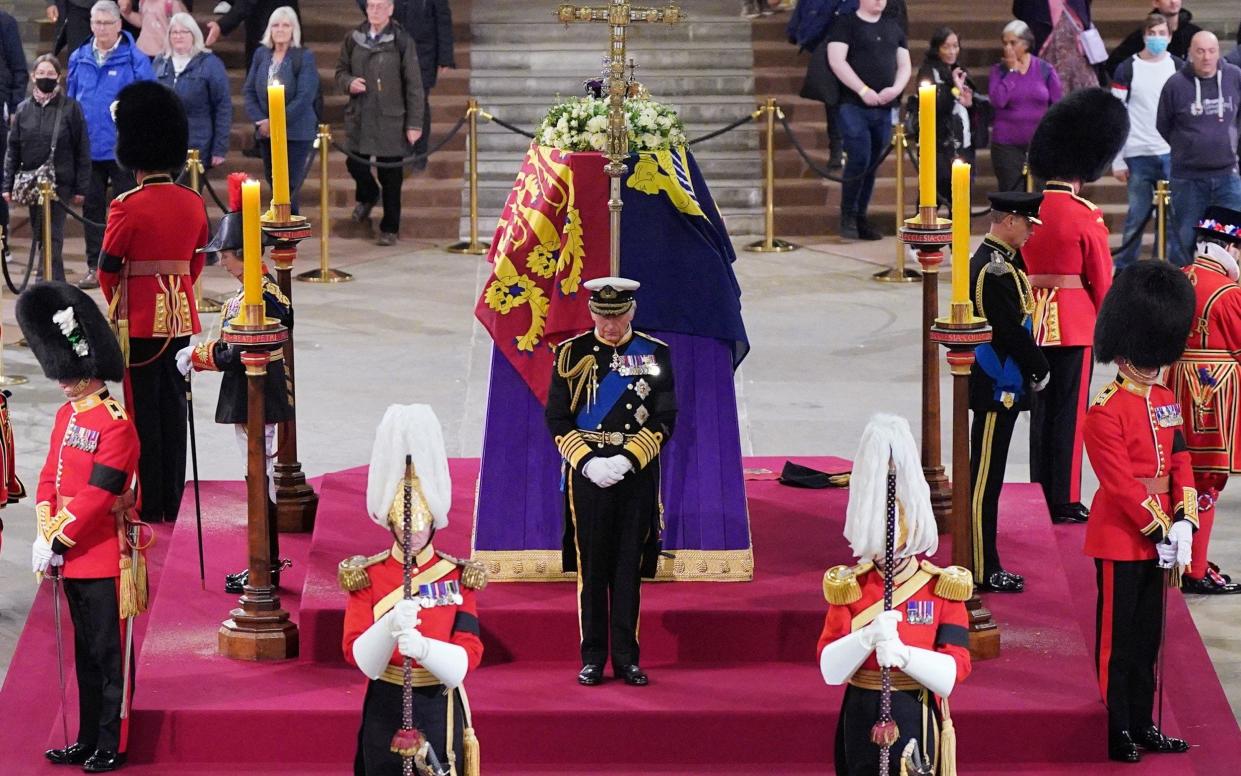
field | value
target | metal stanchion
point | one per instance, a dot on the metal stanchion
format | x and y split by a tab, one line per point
7	379
1029	176
194	164
1163	197
47	196
900	273
324	274
473	246
770	243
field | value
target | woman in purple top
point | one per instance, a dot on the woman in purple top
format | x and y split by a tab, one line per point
1021	87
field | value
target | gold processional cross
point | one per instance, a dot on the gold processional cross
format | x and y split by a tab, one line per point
619	14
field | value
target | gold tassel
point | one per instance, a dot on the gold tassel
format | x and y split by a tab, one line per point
129	594
947	743
140	583
840	586
472	756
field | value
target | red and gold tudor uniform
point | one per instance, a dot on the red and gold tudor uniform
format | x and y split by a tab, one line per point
932	603
449	614
11	488
90	463
1134	436
1070	269
147	273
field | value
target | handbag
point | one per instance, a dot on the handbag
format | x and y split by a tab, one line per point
26	182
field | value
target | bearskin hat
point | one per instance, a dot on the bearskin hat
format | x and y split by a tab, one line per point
68	334
1145	317
152	132
1079	136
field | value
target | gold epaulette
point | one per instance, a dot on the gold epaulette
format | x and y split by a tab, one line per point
1102	396
955	583
473	572
351	573
840	585
1086	202
272	287
115	409
656	340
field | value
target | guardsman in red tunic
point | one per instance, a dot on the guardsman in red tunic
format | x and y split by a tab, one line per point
83	497
147	273
1070	269
11	488
923	639
437	628
1145	512
1208	383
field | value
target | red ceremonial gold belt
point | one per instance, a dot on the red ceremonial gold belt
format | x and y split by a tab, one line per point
1056	281
421	677
616	438
1156	486
162	267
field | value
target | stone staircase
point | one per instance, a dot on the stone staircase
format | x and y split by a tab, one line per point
522	61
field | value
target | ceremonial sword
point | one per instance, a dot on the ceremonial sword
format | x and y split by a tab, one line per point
198	507
56	576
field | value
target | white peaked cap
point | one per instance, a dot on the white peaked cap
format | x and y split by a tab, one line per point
409	429
888	438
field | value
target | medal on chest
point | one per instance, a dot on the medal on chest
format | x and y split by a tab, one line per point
84	439
445	593
920	612
1167	415
629	366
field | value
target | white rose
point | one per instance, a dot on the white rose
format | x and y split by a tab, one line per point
599	141
65	320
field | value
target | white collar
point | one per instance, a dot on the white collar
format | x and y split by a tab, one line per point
1220	254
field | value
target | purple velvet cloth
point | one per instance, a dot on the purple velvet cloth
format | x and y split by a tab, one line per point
520	506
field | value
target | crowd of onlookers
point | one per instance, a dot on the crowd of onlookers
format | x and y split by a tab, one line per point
56	120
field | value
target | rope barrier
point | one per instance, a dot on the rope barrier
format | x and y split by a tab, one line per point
408	159
78	216
722	130
506	125
216	197
821	171
8	279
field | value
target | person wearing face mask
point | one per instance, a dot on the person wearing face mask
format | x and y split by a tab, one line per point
50	125
437	627
1180	25
1146	157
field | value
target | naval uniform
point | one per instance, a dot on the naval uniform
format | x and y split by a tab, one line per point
1135	438
607	400
1209	388
147	273
1070	268
1000	381
449	613
931	602
90	463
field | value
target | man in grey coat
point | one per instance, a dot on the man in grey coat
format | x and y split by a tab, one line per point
378	69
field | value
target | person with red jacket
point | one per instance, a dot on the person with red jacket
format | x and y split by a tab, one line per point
437	628
923	638
147	272
83	500
11	488
1145	513
1208	385
1070	270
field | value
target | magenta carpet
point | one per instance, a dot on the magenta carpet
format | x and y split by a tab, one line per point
734	686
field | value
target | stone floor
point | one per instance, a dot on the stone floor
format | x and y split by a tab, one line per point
830	346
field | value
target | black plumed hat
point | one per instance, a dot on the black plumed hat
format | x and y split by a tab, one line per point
89	350
152	132
1079	136
1145	317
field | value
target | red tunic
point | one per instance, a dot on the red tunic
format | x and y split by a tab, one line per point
150	257
456	624
928	621
1133	435
91	461
1071	241
1206	379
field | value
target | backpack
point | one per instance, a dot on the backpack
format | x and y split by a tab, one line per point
297	74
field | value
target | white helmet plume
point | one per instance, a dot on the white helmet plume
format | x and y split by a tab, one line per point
888	438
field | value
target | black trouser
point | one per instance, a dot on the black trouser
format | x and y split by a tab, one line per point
1009	162
98	655
611	525
1056	425
381	717
74	27
160	417
1128	630
834	143
367	190
912	711
990	435
58	234
103	175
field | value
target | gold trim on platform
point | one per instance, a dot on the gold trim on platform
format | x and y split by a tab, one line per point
687	566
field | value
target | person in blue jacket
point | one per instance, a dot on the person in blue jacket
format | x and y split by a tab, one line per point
200	80
106	63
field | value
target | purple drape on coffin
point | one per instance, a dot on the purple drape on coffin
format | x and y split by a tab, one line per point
520	506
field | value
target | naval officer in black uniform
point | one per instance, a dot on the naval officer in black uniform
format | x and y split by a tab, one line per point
611	408
1006	371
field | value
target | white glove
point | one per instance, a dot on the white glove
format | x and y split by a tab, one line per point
598	472
880	629
57	560
619	465
1182	536
40	554
413	644
892	653
183	359
1167	554
405	615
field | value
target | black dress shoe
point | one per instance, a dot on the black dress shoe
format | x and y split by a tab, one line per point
865	231
632	675
1069	513
236	583
1122	749
73	754
362	211
1214	573
1209	586
590	675
103	761
1003	582
1153	740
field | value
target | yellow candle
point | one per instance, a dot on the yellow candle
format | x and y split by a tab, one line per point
926	146
960	231
279	145
251	236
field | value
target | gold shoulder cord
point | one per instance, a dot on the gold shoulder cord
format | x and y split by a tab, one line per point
1025	293
578	376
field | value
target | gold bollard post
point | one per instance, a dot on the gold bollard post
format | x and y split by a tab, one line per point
770	243
1029	176
1163	197
472	246
900	273
7	379
47	195
324	274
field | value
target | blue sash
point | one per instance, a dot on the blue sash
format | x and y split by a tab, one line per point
612	387
1006	376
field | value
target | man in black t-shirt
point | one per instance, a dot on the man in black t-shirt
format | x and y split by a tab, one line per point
870	56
